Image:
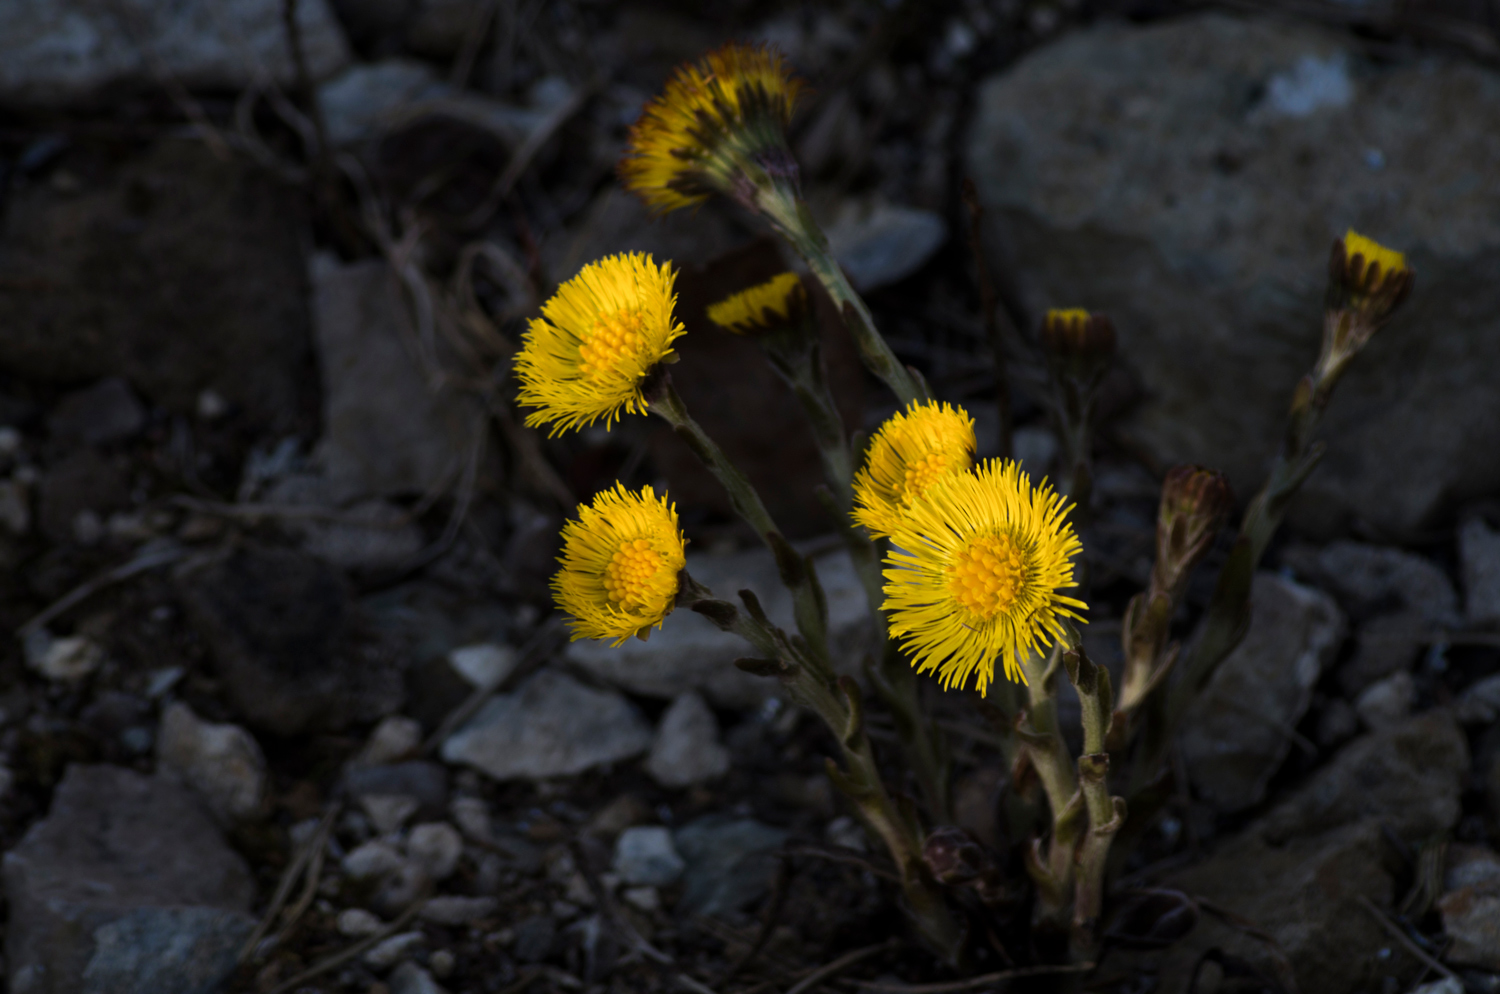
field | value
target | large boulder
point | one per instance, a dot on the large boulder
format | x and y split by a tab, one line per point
1189	178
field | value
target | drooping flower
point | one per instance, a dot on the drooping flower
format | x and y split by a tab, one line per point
779	301
598	338
714	119
1078	344
620	561
978	570
911	451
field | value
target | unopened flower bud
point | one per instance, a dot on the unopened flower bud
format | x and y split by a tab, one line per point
1194	504
1365	276
956	858
1078	344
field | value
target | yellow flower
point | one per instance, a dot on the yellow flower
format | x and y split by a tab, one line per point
778	301
1375	254
598	337
620	561
912	450
729	110
977	572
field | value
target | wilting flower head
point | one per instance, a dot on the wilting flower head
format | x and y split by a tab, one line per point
910	452
978	568
1194	503
1077	343
716	119
778	302
1367	277
620	561
598	338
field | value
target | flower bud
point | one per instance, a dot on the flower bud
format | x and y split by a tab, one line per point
1078	344
957	859
1194	504
1367	277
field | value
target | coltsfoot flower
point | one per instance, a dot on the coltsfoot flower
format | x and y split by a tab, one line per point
597	340
1367	277
911	451
977	573
715	119
779	301
620	561
1077	343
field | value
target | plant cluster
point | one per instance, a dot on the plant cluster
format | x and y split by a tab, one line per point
972	570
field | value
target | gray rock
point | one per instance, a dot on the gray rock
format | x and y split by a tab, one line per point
437	847
372	860
222	762
388	952
1479	552
1306	895
1396	597
408	978
386	431
1471	918
423	783
369	534
126	887
166	239
1479	704
1471	866
1188	178
364	96
454	910
484	665
1408	776
1238	731
68	659
472	816
357	923
730	862
535	937
645	855
294	650
551	726
59	52
1386	702
395	738
388	812
106	412
687	749
879	243
689	653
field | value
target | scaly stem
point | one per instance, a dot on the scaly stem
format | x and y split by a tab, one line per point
839	704
790	218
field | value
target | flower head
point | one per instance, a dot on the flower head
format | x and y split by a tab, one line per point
779	301
977	572
714	118
1078	344
598	338
1194	504
620	561
911	451
1367	277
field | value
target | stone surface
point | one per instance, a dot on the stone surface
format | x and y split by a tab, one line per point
294	650
424	784
1236	733
394	739
171	268
389	952
1471	918
1306	896
687	749
1408	776
879	243
1479	704
1395	597
360	99
371	860
730	862
408	978
455	910
551	726
484	665
222	762
106	412
386	430
369	534
59	52
645	855
126	887
1479	553
68	659
1188	178
689	653
1386	702
437	847
357	923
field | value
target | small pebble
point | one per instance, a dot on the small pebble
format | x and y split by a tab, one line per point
395	949
437	846
645	898
473	818
442	963
395	738
408	978
357	923
455	910
373	859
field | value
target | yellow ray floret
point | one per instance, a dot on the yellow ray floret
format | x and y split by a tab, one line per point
978	569
911	451
737	100
1389	260
763	306
597	339
620	561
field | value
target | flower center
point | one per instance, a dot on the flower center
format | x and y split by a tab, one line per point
612	338
919	475
628	576
986	577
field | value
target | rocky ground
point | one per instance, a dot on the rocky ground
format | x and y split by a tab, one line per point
286	707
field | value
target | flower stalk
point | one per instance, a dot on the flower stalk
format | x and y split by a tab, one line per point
1079	348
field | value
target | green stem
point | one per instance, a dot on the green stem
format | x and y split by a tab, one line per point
790	218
